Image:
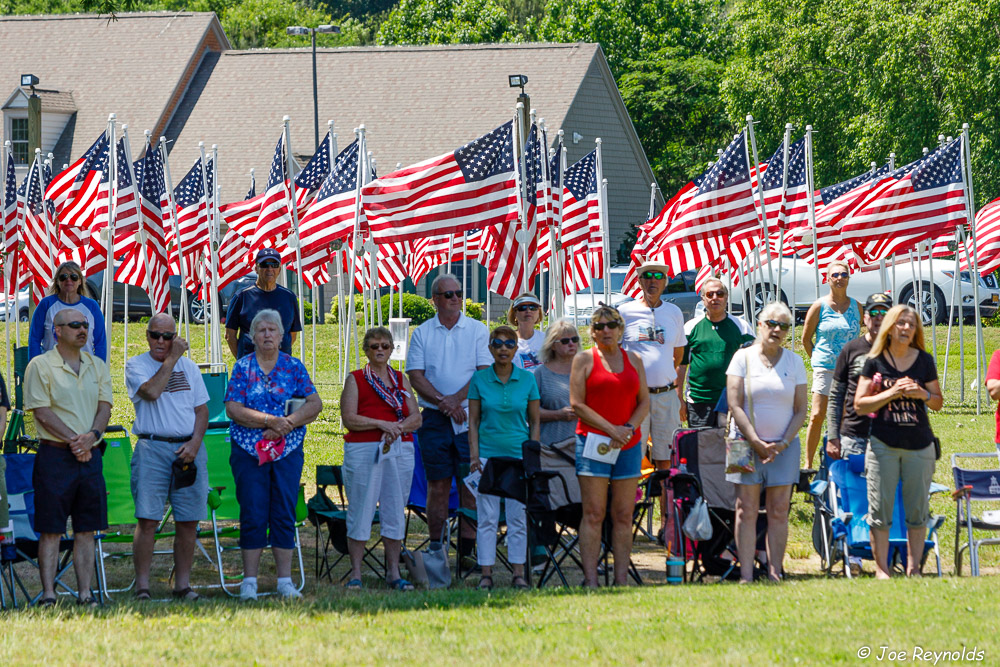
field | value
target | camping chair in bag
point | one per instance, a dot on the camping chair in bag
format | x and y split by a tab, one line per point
554	509
324	512
981	486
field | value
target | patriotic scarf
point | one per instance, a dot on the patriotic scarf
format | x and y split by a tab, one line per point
391	395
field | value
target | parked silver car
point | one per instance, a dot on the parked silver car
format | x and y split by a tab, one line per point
680	292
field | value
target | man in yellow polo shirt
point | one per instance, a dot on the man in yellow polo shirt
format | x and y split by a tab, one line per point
69	391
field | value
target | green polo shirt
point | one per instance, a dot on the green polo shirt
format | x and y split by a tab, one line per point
503	415
710	348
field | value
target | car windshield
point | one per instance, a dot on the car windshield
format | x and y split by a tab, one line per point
617	282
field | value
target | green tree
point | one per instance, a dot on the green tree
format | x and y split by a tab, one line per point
446	22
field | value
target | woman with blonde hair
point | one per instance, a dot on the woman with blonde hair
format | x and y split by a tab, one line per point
898	383
68	289
524	314
562	343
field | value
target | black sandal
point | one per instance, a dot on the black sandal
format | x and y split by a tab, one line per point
46	602
142	595
520	583
485	583
87	602
186	594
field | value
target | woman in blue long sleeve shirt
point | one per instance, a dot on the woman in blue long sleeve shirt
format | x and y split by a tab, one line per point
68	290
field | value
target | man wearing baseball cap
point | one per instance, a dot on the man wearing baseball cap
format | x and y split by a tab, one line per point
266	294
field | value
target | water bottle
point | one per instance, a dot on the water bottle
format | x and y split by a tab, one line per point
684	467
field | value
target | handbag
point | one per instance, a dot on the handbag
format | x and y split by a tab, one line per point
429	567
739	453
698	525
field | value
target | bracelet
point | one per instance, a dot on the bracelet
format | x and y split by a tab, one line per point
929	395
629	425
265	419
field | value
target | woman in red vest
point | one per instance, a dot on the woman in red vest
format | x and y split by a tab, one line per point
380	412
607	389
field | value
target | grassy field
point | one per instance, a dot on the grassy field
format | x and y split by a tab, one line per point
808	619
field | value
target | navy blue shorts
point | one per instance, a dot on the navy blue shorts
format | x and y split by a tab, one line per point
267	495
65	488
444	453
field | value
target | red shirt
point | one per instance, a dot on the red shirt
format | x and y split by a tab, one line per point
612	395
993	373
371	405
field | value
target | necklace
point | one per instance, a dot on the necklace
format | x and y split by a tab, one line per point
764	359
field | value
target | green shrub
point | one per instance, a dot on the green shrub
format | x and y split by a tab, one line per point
417	308
334	315
307	312
474	310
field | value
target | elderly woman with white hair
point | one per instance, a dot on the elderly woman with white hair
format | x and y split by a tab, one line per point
270	399
766	387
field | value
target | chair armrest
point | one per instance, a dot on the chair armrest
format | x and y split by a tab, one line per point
962	492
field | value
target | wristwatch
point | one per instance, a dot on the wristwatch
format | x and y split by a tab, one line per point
629	425
786	444
97	435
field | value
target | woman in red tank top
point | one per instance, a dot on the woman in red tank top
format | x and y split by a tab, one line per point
380	414
608	392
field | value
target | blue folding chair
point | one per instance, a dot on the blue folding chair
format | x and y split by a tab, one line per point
980	485
417	501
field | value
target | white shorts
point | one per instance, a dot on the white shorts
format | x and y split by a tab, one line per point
659	425
822	381
368	484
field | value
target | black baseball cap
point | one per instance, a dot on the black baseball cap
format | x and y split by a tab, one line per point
878	300
265	254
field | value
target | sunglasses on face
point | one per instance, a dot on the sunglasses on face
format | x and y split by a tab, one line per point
450	294
599	326
157	335
840	274
775	324
567	341
526	307
380	346
269	265
717	294
498	343
878	313
654	275
76	325
71	277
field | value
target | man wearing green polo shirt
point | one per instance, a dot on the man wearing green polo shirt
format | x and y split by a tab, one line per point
711	343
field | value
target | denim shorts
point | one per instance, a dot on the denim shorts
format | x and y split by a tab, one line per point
782	471
444	453
628	465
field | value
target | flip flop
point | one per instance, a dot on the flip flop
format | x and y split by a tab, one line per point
521	583
354	585
88	602
485	583
186	595
46	602
142	595
400	585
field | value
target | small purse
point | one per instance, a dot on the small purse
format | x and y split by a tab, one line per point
739	453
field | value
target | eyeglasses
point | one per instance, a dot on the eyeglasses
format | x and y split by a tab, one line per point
269	265
527	306
450	294
716	294
567	341
380	346
654	275
599	326
76	325
498	343
71	277
157	335
840	274
775	324
878	312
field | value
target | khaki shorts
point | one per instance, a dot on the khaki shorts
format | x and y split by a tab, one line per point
659	425
884	467
822	381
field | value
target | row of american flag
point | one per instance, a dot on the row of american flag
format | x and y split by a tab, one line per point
467	204
736	209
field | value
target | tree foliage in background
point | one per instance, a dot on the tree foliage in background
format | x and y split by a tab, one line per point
446	22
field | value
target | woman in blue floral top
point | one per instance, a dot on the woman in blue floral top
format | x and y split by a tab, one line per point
266	454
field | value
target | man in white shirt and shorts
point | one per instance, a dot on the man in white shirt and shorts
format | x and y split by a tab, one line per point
654	329
171	417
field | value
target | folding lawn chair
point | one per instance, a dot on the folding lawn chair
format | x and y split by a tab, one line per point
324	512
216	383
15	437
554	509
416	503
980	486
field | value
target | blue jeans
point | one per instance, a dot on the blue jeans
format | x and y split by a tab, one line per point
267	495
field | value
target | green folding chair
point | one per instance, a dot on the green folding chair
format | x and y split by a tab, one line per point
216	383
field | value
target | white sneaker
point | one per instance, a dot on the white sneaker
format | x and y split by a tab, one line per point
288	591
248	590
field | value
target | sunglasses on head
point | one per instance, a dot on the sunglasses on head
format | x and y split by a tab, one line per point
654	275
599	326
567	341
527	306
840	274
380	346
450	294
76	325
269	265
72	277
157	335
878	312
717	293
498	343
775	324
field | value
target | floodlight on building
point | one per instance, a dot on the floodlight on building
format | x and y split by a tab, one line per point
517	81
29	80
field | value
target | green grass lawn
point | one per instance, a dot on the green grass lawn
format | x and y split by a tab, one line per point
808	619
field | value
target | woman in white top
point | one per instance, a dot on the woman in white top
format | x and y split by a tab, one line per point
776	380
525	314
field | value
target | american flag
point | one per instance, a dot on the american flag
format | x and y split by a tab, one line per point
474	186
788	208
192	209
39	236
388	257
433	251
310	179
10	235
331	214
911	206
555	198
987	239
74	191
242	215
579	200
274	223
235	260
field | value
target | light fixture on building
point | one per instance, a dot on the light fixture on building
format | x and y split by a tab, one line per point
577	137
517	81
29	80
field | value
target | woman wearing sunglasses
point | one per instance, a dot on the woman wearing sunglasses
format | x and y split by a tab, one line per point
525	314
772	380
503	413
833	320
608	392
380	412
562	342
68	290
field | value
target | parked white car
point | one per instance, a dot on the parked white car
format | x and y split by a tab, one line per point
798	285
679	291
21	308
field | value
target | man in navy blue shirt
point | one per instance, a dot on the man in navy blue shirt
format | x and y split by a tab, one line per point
265	294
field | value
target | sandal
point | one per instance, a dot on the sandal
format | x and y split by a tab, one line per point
142	595
88	602
46	602
521	583
354	585
400	585
485	583
186	595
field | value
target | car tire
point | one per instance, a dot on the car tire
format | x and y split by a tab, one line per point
22	316
940	314
758	303
197	310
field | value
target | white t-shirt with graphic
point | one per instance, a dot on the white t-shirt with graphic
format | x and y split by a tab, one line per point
653	333
529	351
172	414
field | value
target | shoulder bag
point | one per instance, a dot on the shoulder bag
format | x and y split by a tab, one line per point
739	453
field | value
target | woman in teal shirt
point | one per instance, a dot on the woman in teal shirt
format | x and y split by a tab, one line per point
503	413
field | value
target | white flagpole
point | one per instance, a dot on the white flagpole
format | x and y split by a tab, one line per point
8	258
784	195
810	188
951	307
760	196
184	315
214	259
974	266
360	134
602	213
290	162
518	139
933	289
109	269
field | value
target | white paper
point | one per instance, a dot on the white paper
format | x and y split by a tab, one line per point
463	427
472	481
594	446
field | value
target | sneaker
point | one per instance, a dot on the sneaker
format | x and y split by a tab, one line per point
288	591
248	591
